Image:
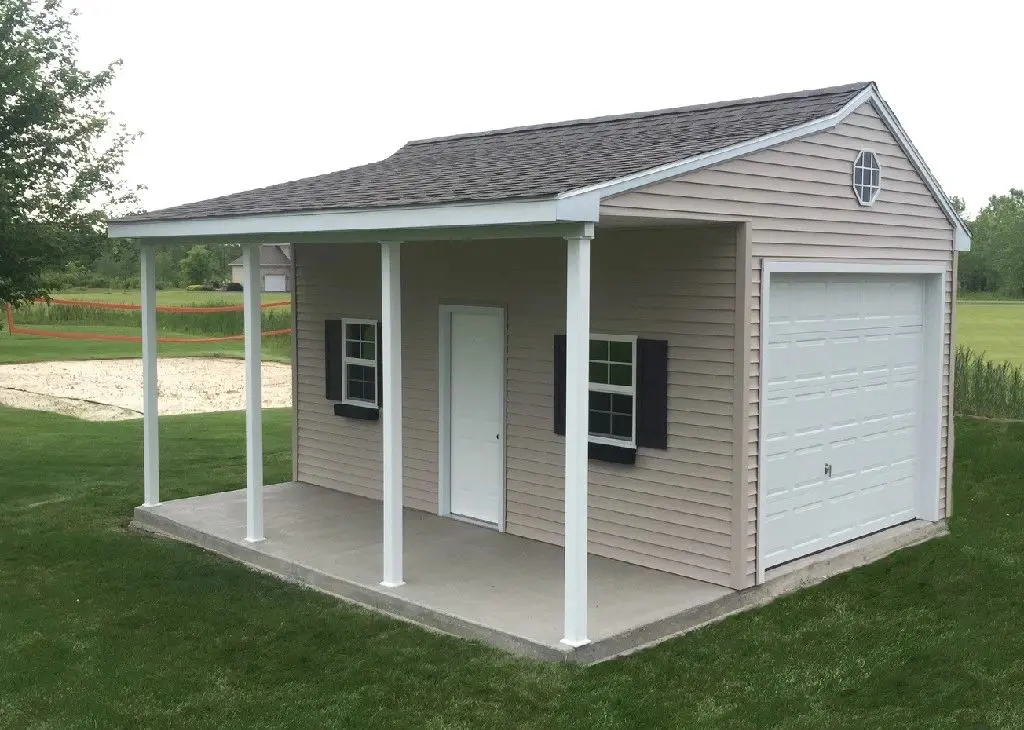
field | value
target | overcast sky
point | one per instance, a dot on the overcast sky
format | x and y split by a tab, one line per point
234	94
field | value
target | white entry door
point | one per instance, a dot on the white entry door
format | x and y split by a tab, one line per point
844	370
476	421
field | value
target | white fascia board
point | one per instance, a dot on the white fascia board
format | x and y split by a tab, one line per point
962	236
582	209
715	157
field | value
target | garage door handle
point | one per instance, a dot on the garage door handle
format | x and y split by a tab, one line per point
828	470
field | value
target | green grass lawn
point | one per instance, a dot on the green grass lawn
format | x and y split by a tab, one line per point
102	627
993	328
168	297
30	348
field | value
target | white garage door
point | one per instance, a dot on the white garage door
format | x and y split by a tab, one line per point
275	282
843	380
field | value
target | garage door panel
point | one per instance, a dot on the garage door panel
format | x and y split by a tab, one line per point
843	388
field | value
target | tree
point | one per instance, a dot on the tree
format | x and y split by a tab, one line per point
199	265
996	260
60	152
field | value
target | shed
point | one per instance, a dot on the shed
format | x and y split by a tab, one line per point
275	268
578	386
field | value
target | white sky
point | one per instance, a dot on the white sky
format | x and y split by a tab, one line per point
235	94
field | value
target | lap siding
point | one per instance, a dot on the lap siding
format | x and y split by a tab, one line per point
797	198
670	511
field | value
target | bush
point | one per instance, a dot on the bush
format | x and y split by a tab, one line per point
985	388
232	286
201	287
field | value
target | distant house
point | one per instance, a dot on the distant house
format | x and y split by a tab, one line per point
275	267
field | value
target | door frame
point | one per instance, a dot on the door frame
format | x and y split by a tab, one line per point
444	408
934	276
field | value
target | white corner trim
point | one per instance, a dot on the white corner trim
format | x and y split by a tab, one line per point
582	209
962	239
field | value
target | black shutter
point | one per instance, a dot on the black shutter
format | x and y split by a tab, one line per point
380	360
652	393
559	395
334	344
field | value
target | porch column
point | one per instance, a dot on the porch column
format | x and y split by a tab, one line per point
253	326
391	408
150	414
577	363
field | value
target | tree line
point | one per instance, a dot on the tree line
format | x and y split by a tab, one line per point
115	265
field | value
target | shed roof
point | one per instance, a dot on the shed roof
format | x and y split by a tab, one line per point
271	254
522	163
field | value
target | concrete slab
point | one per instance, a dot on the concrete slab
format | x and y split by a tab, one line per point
477	583
460	578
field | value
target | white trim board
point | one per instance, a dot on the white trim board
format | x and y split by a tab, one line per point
929	486
962	236
444	410
580	209
581	205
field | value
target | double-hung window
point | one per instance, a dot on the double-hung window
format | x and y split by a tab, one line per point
612	398
359	362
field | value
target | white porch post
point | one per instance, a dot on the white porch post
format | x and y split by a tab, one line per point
391	409
577	362
253	315
150	414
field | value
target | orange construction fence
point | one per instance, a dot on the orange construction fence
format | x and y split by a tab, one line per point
16	330
167	309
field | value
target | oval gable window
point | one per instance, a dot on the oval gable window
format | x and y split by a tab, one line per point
867	177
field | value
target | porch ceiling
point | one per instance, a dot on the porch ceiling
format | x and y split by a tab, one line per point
461	578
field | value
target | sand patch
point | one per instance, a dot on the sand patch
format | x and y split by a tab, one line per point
110	390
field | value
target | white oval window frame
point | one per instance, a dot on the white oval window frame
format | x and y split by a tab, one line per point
873	190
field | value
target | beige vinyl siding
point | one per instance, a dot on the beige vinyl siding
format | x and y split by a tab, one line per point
800	205
672	509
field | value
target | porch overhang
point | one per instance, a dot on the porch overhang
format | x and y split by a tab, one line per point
504	219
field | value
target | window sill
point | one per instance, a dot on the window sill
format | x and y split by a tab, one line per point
611	453
361	413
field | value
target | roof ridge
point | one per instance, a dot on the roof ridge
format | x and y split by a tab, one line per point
807	93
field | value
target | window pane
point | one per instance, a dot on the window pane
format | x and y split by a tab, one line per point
369	332
600	401
621	375
622	404
360	383
621	351
353	331
369	351
622	426
352	348
600	423
599	372
875	178
598	349
858	176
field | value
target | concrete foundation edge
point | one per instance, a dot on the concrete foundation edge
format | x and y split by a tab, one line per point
788	579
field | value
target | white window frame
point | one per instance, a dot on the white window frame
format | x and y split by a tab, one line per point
859	165
346	361
614	389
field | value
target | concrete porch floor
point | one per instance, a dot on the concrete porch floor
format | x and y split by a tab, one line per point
461	579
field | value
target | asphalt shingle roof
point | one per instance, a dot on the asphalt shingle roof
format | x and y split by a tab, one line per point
533	162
